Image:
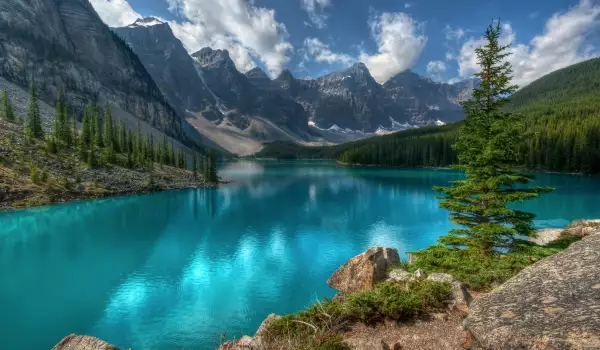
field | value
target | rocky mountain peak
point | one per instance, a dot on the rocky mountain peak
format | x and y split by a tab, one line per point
258	78
146	22
285	75
256	72
212	58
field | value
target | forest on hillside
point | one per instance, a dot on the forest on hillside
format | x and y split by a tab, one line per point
561	119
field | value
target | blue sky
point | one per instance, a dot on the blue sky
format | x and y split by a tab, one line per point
314	37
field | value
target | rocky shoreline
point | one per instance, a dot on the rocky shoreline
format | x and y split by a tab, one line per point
550	305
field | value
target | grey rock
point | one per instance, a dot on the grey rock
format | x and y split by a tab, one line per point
263	326
364	271
461	297
552	304
83	342
582	228
399	275
420	274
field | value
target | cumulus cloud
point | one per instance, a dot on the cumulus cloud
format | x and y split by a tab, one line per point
322	53
115	13
316	11
246	30
400	41
436	67
562	43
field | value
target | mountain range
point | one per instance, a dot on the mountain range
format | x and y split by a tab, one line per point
146	75
342	106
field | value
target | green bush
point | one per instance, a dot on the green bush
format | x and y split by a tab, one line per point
483	272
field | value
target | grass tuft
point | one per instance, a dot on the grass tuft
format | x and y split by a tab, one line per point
319	326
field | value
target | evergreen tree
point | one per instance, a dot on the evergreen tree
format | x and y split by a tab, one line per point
7	111
92	161
165	152
195	165
33	127
487	151
108	138
130	142
212	168
87	127
122	138
97	128
60	125
181	159
172	155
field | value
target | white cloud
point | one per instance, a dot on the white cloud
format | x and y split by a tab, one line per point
408	5
400	41
115	13
245	30
563	43
453	34
195	37
322	53
534	15
436	67
316	11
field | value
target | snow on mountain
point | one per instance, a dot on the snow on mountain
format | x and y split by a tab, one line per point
146	22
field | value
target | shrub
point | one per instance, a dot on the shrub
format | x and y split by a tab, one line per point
318	326
480	272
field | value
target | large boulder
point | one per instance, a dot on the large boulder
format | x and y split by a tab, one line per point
364	271
461	297
552	304
83	342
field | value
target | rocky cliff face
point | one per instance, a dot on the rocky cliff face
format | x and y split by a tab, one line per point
64	42
168	62
236	93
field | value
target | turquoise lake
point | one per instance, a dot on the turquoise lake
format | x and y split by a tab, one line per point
176	270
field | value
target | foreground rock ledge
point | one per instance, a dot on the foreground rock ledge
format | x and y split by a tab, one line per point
364	271
552	304
83	342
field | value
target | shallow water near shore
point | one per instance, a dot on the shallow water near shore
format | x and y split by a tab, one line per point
180	269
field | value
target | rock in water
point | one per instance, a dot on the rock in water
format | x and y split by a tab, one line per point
365	270
83	342
552	304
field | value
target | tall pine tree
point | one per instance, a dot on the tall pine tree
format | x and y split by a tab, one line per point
33	127
487	152
108	137
6	112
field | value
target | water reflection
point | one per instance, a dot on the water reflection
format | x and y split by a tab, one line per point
177	269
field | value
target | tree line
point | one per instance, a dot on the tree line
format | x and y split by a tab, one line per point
101	140
570	143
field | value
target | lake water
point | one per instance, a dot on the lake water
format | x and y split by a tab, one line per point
179	269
